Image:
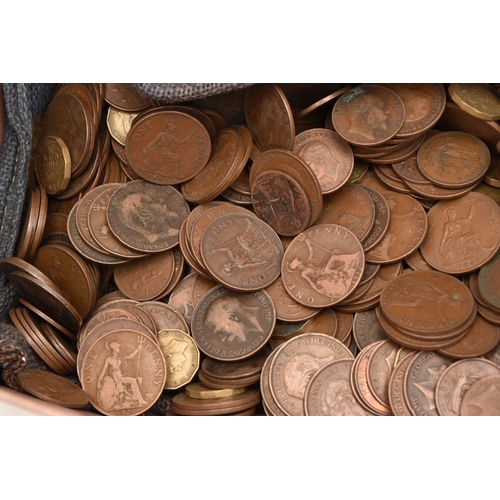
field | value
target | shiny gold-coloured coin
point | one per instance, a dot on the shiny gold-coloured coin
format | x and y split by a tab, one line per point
181	355
478	99
119	123
53	164
199	391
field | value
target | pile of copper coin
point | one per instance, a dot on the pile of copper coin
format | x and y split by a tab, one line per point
293	249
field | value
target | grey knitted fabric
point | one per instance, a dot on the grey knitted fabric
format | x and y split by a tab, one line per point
182	92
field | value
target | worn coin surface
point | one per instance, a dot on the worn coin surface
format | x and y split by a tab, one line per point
322	265
53	164
147	217
483	398
478	99
123	374
229	325
397	401
294	364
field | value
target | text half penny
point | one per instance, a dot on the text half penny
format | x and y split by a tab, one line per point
147	217
230	326
281	201
242	252
368	115
453	159
329	156
269	117
406	232
463	234
351	207
167	147
322	265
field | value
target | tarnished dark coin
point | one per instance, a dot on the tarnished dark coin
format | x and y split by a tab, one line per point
453	159
181	355
368	115
281	201
52	388
269	117
125	96
463	234
242	252
330	393
488	283
123	374
147	217
406	232
53	164
457	379
294	364
167	147
322	265
229	325
329	156
420	382
483	398
351	207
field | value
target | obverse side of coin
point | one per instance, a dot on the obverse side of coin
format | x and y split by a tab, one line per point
397	400
329	156
368	115
119	123
181	355
322	265
228	325
242	252
295	362
463	234
281	201
457	380
329	392
118	389
483	398
53	165
420	381
52	388
147	217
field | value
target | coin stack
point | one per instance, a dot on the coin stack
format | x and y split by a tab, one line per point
268	254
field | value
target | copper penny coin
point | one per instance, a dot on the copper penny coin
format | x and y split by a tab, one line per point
427	302
287	308
397	401
453	159
351	207
181	298
329	392
281	201
126	97
290	164
196	390
270	405
424	104
70	272
242	252
52	388
167	147
368	115
463	234
382	219
223	168
147	217
456	380
165	316
406	232
230	326
488	283
481	338
146	278
269	117
123	374
421	379
329	156
408	170
367	329
322	265
482	398
294	364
